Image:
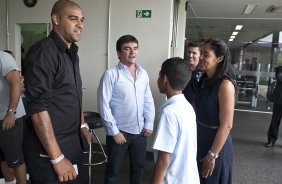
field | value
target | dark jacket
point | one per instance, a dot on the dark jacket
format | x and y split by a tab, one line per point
277	92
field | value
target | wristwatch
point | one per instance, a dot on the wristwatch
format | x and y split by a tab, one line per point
11	112
84	125
213	155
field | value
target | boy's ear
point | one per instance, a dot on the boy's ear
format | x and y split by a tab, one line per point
165	78
166	81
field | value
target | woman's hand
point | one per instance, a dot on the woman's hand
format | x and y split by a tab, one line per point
208	166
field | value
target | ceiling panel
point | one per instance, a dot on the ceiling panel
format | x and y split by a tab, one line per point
218	18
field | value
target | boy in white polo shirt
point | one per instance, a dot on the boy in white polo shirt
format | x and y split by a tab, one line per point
175	144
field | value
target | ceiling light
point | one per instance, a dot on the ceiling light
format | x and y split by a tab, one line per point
231	40
238	27
249	9
235	33
232	37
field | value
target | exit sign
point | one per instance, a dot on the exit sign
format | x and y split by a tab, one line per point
143	13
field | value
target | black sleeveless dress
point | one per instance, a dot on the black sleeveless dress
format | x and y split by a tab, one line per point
207	112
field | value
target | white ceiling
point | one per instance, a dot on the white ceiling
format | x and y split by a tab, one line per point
218	18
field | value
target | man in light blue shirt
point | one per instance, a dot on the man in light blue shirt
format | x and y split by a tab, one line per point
127	109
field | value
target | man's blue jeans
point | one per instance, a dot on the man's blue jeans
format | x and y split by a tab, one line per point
136	145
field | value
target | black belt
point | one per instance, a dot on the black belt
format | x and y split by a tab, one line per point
207	126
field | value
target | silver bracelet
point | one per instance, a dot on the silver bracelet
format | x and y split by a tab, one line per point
57	160
213	155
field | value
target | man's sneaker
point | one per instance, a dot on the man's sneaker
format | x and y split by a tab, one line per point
269	144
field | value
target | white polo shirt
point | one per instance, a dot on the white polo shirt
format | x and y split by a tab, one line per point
177	134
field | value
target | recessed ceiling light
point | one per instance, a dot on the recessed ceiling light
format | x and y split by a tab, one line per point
238	27
235	33
249	9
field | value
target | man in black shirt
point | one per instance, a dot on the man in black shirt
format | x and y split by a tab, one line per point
52	140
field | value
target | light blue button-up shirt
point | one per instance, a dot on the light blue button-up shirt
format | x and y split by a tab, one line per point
124	103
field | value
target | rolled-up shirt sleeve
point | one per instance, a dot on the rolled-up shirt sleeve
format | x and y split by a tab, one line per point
38	81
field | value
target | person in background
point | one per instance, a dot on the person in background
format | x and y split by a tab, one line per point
276	98
246	65
175	144
193	58
214	107
55	126
254	64
8	173
12	54
127	109
11	114
253	67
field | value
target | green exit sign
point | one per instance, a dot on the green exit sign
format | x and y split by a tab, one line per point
143	13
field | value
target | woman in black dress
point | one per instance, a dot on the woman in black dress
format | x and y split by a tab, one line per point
214	107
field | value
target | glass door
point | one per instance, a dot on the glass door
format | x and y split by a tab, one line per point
256	78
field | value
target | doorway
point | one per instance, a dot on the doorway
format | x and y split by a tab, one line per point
30	34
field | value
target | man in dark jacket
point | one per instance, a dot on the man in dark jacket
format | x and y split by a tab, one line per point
193	57
277	109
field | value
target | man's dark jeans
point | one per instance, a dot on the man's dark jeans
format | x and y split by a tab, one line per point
136	146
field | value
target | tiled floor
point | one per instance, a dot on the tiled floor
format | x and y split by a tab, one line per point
254	163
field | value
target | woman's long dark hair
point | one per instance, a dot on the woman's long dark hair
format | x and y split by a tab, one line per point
221	49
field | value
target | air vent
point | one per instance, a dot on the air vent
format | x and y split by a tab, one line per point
274	9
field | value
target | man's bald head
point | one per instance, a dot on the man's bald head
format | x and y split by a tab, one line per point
67	21
61	5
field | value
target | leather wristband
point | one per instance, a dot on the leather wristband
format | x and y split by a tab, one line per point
213	155
84	125
57	160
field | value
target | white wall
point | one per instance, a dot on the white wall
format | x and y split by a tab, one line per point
2	25
154	35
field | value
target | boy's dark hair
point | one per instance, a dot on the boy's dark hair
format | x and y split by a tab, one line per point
177	71
125	39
